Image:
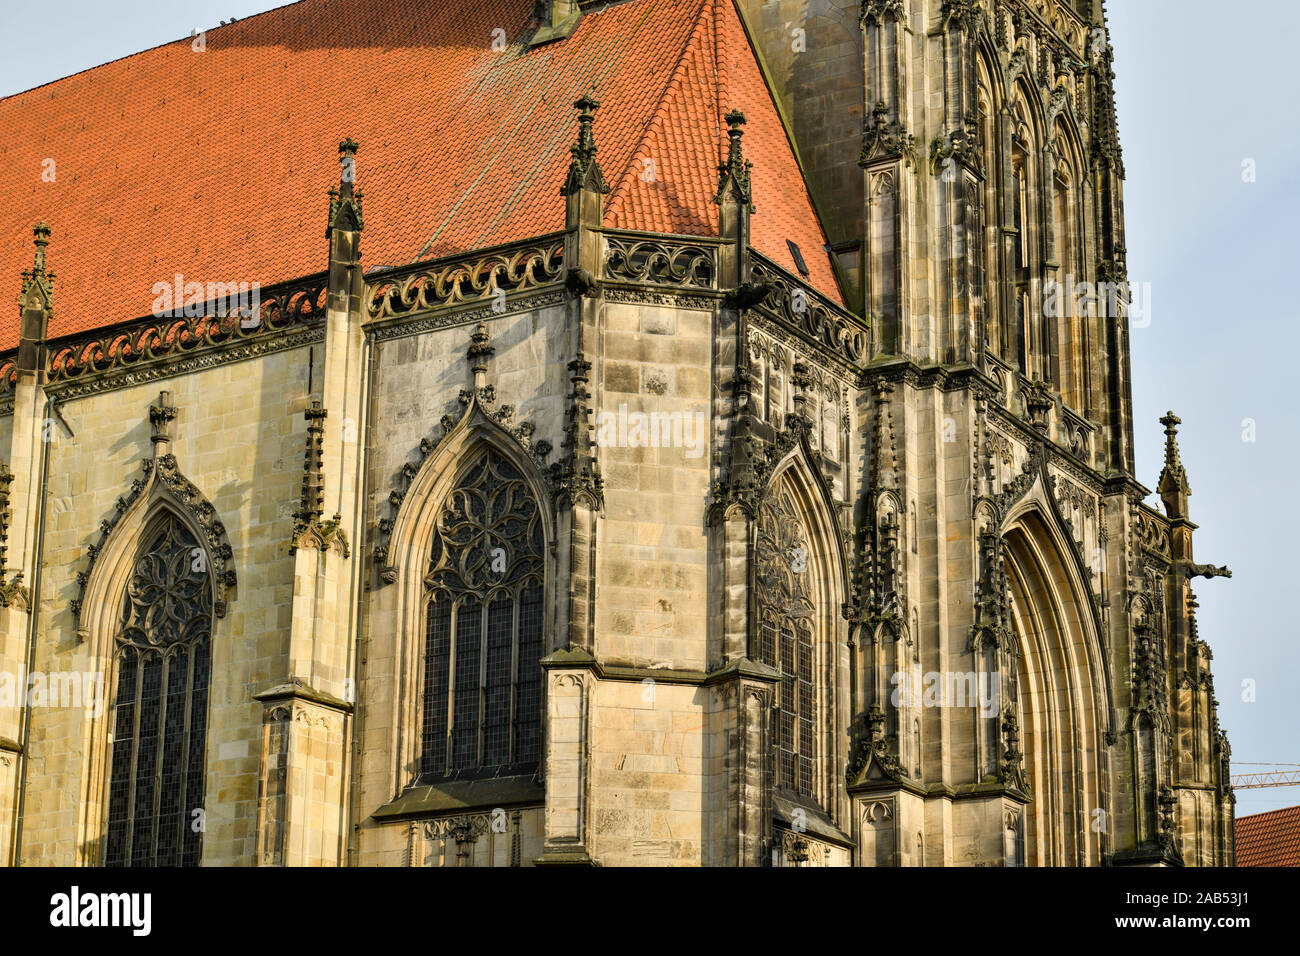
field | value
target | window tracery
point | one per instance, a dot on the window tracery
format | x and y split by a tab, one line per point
785	615
483	625
156	787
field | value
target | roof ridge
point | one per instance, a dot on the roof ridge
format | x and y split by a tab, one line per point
623	187
723	78
148	49
1264	813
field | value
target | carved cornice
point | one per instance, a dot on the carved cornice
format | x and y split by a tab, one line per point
481	277
811	316
472	313
131	353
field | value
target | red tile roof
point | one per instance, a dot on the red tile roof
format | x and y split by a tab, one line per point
1269	839
215	164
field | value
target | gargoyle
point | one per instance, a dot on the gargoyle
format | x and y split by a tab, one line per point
1205	570
748	294
580	282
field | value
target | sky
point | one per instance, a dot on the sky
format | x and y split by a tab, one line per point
1212	207
1205	107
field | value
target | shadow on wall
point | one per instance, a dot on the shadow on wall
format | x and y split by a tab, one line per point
812	52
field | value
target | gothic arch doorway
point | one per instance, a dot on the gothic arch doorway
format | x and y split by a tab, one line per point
1056	695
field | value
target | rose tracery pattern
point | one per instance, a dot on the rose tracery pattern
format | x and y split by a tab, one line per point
785	614
483	637
156	787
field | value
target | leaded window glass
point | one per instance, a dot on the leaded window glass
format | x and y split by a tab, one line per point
156	783
483	637
785	638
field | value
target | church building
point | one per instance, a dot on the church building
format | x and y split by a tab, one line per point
631	432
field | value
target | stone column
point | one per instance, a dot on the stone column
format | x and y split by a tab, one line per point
21	490
307	722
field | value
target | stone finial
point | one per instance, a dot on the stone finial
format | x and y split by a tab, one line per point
584	171
480	350
37	278
160	416
41	239
345	201
312	503
1171	423
1173	486
802	381
6	479
733	175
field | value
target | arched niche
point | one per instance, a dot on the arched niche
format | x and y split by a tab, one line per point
163	495
397	611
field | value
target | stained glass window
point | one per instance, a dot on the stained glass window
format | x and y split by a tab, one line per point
483	638
785	642
156	784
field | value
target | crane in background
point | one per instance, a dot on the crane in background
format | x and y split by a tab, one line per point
1267	778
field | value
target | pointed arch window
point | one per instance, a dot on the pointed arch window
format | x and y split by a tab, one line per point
785	616
483	626
156	784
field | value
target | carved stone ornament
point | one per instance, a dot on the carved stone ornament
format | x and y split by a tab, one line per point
345	205
584	171
309	530
872	755
13	593
734	175
576	476
477	409
883	138
163	478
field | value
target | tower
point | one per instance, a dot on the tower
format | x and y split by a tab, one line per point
964	158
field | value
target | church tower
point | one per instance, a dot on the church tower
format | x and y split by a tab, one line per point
964	158
716	449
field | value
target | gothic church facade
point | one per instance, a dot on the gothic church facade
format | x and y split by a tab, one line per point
719	470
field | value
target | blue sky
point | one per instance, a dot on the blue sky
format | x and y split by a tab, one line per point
1199	94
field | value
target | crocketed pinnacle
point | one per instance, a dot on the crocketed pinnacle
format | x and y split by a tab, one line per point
735	171
584	171
1173	486
37	275
345	202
